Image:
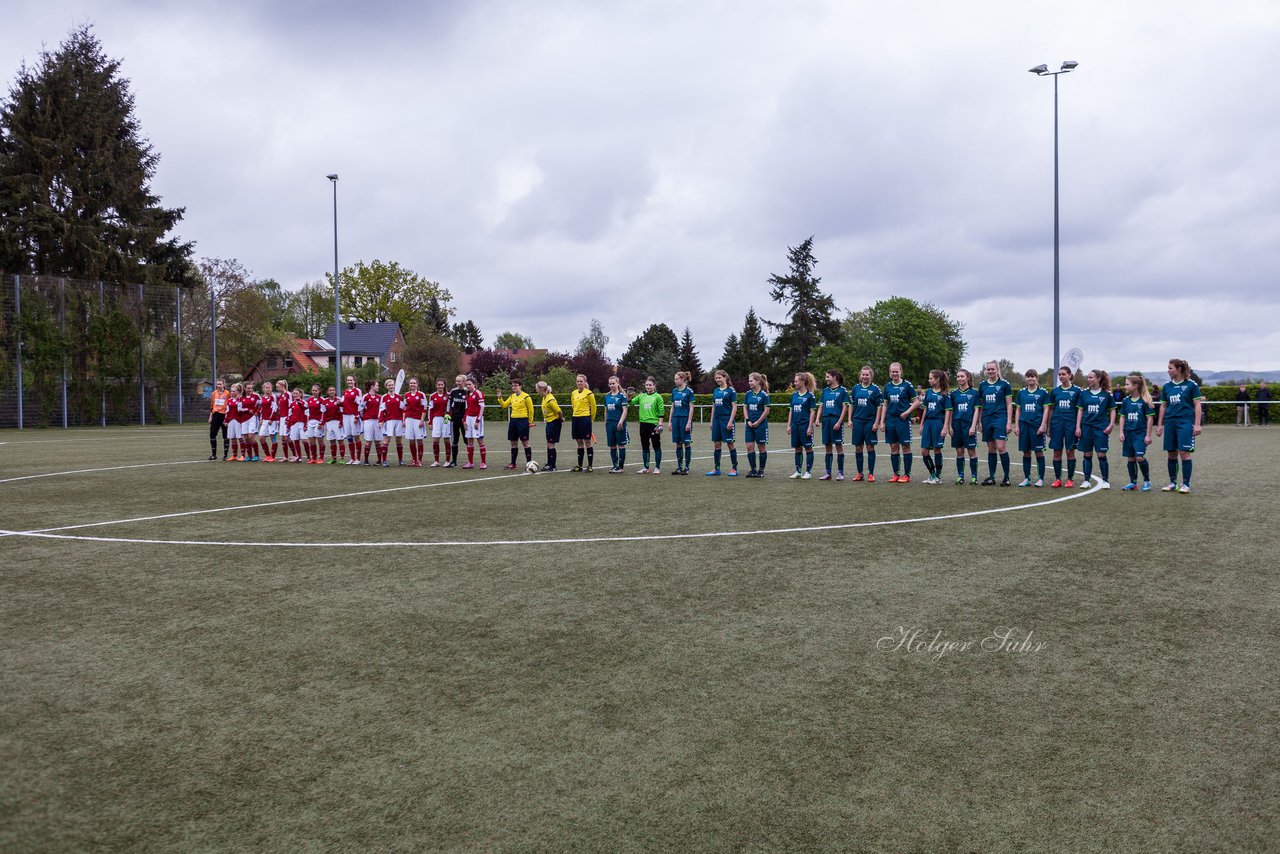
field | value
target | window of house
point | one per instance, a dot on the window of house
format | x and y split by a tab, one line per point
273	362
359	360
288	361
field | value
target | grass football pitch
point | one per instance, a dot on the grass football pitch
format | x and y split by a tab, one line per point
686	669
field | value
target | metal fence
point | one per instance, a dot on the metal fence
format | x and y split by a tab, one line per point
76	353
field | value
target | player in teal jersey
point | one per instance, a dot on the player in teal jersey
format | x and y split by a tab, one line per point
682	421
724	411
935	423
757	423
835	412
1136	415
800	422
900	398
616	404
1060	421
1029	403
1095	418
1178	421
964	405
867	402
995	399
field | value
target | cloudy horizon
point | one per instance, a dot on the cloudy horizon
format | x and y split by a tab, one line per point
556	161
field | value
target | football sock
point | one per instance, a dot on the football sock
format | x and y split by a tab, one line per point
1186	472
582	452
591	455
991	465
1057	469
840	463
1173	471
1133	470
435	450
657	457
1026	466
1104	467
895	460
1071	468
514	451
871	461
973	466
751	458
1004	464
1040	466
808	460
471	453
928	464
857	460
764	458
613	456
1088	466
528	454
906	464
827	460
960	466
484	454
733	458
716	454
799	460
622	458
937	462
1145	468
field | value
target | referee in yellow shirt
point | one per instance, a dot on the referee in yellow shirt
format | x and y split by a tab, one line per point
554	420
521	406
584	412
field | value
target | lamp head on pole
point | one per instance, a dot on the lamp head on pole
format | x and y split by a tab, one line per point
1069	65
333	177
1039	69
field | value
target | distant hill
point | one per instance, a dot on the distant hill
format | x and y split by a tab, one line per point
1217	377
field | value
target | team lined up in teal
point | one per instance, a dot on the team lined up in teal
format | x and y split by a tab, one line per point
1067	419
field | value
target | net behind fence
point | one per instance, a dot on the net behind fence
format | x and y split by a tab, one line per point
76	353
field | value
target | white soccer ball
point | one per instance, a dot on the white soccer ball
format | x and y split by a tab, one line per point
532	467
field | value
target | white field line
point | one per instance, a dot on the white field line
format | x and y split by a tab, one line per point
52	533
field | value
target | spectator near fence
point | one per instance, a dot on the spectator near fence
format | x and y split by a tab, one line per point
217	418
1242	408
1264	404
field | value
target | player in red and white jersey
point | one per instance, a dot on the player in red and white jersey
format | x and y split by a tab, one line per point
267	422
315	434
473	426
415	411
331	418
283	401
297	421
249	427
392	418
438	416
371	405
233	421
351	420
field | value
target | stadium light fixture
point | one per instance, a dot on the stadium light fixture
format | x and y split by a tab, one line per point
1042	70
337	309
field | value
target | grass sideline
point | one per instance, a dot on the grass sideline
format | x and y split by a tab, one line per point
689	694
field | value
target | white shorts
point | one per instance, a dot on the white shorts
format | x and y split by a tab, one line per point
250	427
267	428
473	427
440	428
392	427
313	429
372	430
414	429
233	429
350	429
333	431
296	431
284	427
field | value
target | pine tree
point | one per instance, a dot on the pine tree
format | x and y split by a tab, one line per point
437	317
754	345
75	174
468	336
731	361
688	358
810	312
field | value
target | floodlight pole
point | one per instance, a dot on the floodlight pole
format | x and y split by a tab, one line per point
1043	71
337	299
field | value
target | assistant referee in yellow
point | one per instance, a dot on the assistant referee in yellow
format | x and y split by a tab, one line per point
584	412
521	406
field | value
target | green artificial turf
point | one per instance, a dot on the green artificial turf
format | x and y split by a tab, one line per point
709	693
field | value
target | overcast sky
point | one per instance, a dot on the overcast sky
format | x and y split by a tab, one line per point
550	162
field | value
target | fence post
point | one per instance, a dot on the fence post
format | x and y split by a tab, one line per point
213	331
142	366
177	293
62	332
17	312
101	379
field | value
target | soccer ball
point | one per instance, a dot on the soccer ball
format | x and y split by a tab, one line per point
532	467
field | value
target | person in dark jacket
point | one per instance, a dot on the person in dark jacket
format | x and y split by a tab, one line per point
1264	404
1242	406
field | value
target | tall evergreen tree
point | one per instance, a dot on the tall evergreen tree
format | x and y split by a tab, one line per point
468	336
754	344
75	173
437	316
656	338
810	312
688	357
731	360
